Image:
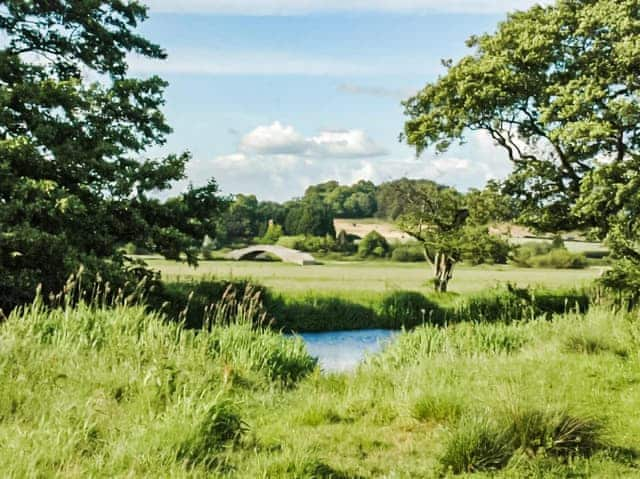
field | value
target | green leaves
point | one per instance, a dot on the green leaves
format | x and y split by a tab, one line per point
74	183
555	87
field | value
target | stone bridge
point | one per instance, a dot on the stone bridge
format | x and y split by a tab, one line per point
287	255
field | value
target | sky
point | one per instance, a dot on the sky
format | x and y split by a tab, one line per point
271	96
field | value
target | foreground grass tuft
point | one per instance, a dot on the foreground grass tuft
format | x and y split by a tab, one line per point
475	445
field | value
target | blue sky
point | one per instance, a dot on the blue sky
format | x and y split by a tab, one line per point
271	96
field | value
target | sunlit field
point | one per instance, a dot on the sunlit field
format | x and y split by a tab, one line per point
348	278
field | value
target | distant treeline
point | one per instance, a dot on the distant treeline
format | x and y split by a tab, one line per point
313	214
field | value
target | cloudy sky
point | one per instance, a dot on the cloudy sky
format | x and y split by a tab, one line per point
271	96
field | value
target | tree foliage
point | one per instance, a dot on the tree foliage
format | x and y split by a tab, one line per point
556	87
73	182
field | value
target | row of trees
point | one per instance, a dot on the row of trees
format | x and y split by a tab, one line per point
313	214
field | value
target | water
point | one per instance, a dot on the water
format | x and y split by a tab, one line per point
342	350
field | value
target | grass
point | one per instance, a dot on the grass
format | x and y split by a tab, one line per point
97	392
359	280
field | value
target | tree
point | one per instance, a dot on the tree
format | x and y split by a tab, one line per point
72	185
435	216
309	218
490	205
557	89
240	221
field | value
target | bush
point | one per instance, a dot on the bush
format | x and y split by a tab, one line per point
408	254
292	242
310	244
345	243
481	247
513	304
548	255
272	235
524	252
373	244
559	259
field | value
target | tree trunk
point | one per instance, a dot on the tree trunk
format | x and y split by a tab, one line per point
442	271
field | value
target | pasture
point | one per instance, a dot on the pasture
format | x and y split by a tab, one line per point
350	279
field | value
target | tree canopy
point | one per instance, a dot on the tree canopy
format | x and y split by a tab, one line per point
74	129
556	87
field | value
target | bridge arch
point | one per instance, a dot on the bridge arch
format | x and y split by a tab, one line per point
287	255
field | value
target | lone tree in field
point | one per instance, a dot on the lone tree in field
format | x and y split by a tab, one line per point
435	216
74	183
557	88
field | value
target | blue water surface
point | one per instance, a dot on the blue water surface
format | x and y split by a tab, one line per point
339	351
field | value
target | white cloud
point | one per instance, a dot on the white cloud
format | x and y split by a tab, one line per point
344	144
273	139
278	139
301	7
262	168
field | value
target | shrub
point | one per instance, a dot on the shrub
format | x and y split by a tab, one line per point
345	243
408	254
480	247
293	242
524	252
272	235
321	313
311	244
373	244
513	304
559	259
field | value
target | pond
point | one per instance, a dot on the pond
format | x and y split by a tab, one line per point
339	351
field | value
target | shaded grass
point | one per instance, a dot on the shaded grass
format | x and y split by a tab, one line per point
190	301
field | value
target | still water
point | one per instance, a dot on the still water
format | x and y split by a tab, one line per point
339	351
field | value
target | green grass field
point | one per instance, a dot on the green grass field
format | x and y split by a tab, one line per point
353	279
95	392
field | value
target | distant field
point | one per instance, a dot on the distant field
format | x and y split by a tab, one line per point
357	278
362	226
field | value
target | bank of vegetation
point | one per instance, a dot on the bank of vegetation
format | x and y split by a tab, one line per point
94	390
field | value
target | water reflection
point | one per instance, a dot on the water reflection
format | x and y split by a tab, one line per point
343	350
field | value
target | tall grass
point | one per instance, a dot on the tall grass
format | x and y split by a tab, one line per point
88	389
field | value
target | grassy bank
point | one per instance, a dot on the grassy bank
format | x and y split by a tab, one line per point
188	301
103	393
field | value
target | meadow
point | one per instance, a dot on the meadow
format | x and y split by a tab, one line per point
91	391
363	278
